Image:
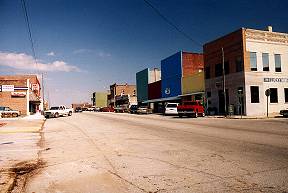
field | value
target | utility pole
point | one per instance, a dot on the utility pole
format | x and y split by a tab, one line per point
224	84
43	101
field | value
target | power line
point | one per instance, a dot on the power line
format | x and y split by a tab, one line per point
172	24
32	45
29	31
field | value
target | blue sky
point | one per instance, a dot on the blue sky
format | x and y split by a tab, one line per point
84	46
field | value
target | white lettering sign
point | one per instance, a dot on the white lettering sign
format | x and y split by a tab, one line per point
7	88
275	79
18	94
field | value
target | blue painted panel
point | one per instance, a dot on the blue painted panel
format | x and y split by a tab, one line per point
171	66
142	85
171	87
171	73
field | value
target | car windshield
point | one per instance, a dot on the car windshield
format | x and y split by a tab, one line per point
171	105
54	108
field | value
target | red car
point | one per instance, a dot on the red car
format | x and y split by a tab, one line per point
107	109
191	109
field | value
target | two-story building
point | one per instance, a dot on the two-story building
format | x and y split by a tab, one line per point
252	61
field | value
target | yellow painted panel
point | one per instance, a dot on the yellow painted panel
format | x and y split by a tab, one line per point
194	83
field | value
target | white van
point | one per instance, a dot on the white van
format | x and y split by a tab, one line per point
171	109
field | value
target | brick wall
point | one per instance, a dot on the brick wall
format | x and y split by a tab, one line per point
128	89
15	103
191	63
233	48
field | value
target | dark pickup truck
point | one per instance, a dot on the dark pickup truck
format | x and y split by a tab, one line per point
191	109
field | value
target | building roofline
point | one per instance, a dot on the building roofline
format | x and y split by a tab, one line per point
273	32
224	36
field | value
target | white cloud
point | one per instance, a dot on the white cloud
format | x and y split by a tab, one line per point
82	51
51	54
23	61
104	54
95	52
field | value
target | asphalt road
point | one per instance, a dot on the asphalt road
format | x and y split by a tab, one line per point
109	152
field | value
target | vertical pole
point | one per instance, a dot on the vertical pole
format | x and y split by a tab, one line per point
43	101
224	85
267	107
241	106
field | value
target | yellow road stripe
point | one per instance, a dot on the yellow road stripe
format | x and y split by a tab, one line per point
20	131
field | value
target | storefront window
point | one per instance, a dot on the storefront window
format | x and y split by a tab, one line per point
254	94
273	95
286	94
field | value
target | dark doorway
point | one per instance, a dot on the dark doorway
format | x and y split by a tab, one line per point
222	101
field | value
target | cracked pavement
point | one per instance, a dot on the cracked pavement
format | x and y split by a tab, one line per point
109	152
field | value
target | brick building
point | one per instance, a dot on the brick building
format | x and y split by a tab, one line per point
20	92
119	91
254	61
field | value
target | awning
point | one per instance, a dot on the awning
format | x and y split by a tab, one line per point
194	93
162	99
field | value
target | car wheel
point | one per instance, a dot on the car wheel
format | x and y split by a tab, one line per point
14	115
180	116
56	115
70	113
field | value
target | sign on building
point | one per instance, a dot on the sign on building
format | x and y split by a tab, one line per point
35	86
18	94
7	88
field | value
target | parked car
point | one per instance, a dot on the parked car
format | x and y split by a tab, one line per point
58	111
90	108
8	112
133	109
84	109
97	109
120	109
78	110
284	112
190	109
171	109
107	109
144	110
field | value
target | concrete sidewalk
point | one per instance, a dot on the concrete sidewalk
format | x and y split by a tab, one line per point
20	143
